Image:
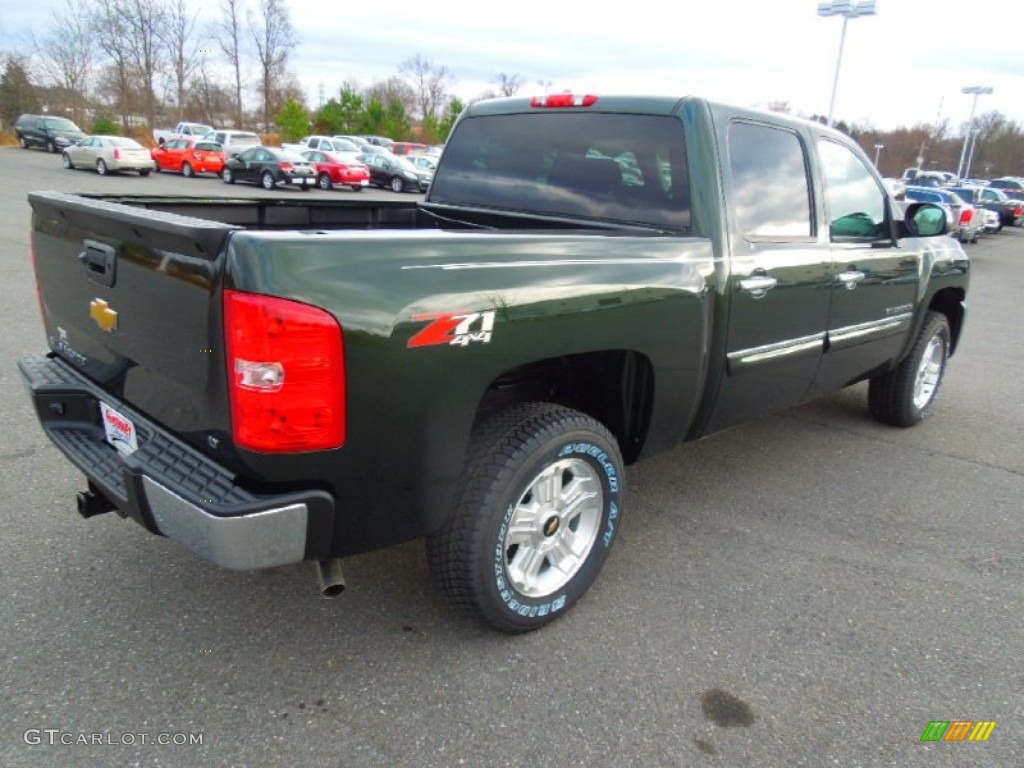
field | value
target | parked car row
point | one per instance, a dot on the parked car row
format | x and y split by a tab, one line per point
975	206
267	166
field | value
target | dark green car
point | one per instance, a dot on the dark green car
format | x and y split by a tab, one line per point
589	281
52	133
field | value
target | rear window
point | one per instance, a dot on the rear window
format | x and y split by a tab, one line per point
244	138
622	168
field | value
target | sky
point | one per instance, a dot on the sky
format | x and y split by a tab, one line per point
903	66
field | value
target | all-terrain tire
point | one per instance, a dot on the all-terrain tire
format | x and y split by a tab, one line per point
537	510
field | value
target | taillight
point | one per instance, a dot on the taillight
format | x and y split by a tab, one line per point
286	367
563	100
966	216
286	166
117	154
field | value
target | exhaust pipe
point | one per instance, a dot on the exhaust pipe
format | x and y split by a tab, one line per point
332	580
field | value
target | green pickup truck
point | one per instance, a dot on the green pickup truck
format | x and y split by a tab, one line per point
589	281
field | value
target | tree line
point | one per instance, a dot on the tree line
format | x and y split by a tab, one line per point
128	63
125	64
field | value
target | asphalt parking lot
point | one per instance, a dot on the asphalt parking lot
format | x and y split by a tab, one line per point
809	590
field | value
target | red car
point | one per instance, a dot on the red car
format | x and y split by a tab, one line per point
189	156
332	168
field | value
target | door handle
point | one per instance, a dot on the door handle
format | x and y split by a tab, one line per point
850	278
758	285
100	262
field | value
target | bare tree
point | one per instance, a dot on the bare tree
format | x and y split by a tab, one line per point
430	81
67	55
228	32
207	98
146	23
508	85
391	91
273	36
183	49
111	35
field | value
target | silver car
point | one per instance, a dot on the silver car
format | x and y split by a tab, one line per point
105	154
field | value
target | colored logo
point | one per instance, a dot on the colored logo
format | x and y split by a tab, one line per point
958	730
457	329
105	317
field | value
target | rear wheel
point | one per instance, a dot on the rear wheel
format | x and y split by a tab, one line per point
397	185
186	171
357	188
906	394
66	158
267	179
536	514
324	181
143	172
101	167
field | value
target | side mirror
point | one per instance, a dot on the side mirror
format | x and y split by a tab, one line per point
924	220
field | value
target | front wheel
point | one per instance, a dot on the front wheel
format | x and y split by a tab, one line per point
537	511
101	167
24	143
267	180
67	161
397	185
51	147
906	394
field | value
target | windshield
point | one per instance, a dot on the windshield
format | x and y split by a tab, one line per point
61	124
623	168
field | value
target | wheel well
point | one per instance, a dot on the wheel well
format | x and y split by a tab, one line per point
616	387
949	301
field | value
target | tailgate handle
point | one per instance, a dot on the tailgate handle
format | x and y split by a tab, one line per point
100	262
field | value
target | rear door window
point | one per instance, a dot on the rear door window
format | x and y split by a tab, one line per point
771	193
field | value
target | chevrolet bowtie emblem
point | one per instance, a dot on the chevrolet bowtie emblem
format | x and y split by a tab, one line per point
105	317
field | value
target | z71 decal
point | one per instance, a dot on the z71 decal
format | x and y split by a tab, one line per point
454	328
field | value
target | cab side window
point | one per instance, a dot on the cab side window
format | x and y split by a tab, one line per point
854	200
771	192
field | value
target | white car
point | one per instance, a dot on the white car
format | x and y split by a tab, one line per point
234	142
106	154
991	219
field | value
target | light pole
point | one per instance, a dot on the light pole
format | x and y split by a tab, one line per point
976	90
848	9
970	154
878	151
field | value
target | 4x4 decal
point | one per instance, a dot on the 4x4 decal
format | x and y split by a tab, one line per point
454	328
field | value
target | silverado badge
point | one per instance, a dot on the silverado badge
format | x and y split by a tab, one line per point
105	317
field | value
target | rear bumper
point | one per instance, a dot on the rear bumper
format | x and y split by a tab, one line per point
169	487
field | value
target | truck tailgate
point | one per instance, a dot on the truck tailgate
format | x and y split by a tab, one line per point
128	299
